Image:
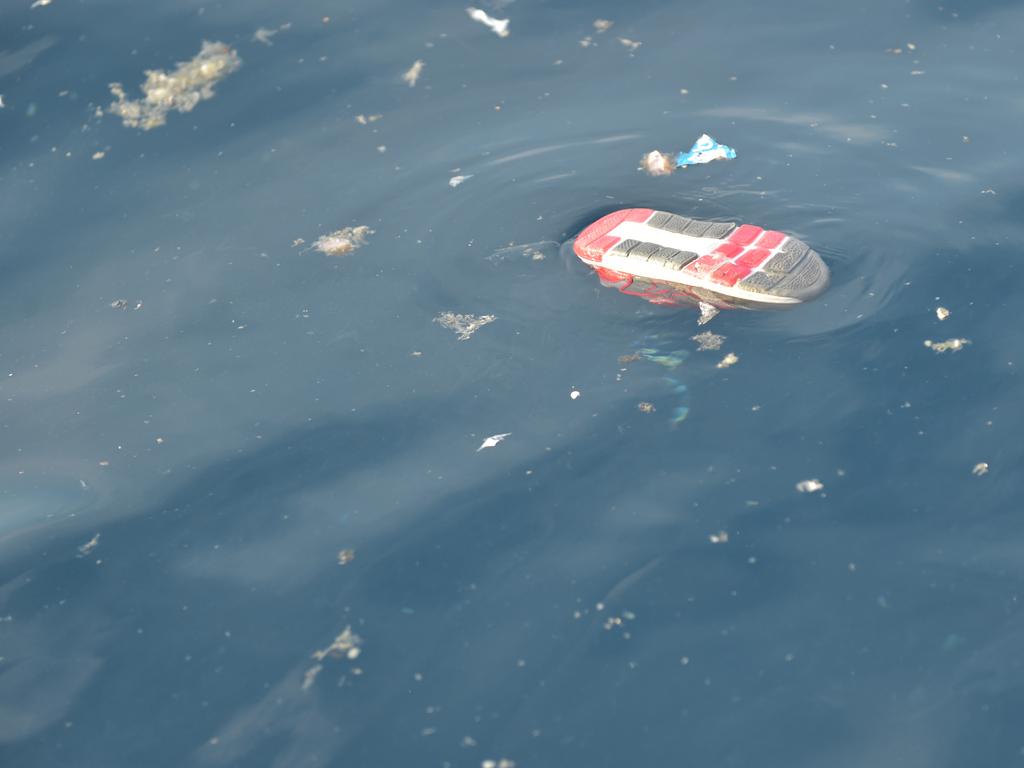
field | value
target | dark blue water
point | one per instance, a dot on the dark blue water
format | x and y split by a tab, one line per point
178	481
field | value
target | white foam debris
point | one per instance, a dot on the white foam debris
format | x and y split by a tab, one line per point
810	486
941	312
574	394
981	468
708	341
264	35
949	345
603	25
707	312
342	241
463	325
178	91
40	3
497	26
657	163
454	181
492	441
631	44
413	73
367	119
727	361
722	537
89	546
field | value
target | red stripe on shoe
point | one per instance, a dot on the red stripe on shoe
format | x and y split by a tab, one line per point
729	274
771	239
753	257
745	234
591	244
730	250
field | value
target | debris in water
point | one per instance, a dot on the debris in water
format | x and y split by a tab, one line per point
704	150
810	486
342	241
492	441
98	155
310	676
346	556
367	119
263	35
575	394
949	345
346	645
532	251
707	312
657	163
413	73
502	763
587	41
497	26
981	468
941	312
708	341
603	25
2	105
180	91
728	360
92	543
631	44
124	304
40	4
454	181
645	407
464	325
722	537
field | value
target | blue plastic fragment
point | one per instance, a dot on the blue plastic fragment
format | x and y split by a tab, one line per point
704	150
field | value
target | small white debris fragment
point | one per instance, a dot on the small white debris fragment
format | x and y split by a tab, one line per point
941	312
2	105
382	148
728	360
603	25
657	163
497	26
179	91
346	556
263	35
810	486
98	155
722	537
342	241
574	394
981	468
454	181
367	119
40	3
708	341
631	44
310	676
492	441
413	73
463	325
91	544
949	345
342	647
587	41
707	312
645	407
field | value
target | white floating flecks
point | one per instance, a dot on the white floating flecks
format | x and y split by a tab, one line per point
454	181
497	26
707	312
40	3
949	345
179	91
941	312
981	468
708	341
631	44
492	441
413	73
463	325
342	241
810	486
264	35
603	25
91	544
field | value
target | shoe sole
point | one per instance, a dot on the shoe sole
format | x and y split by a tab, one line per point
711	261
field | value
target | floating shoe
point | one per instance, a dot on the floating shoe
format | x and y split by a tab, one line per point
670	259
